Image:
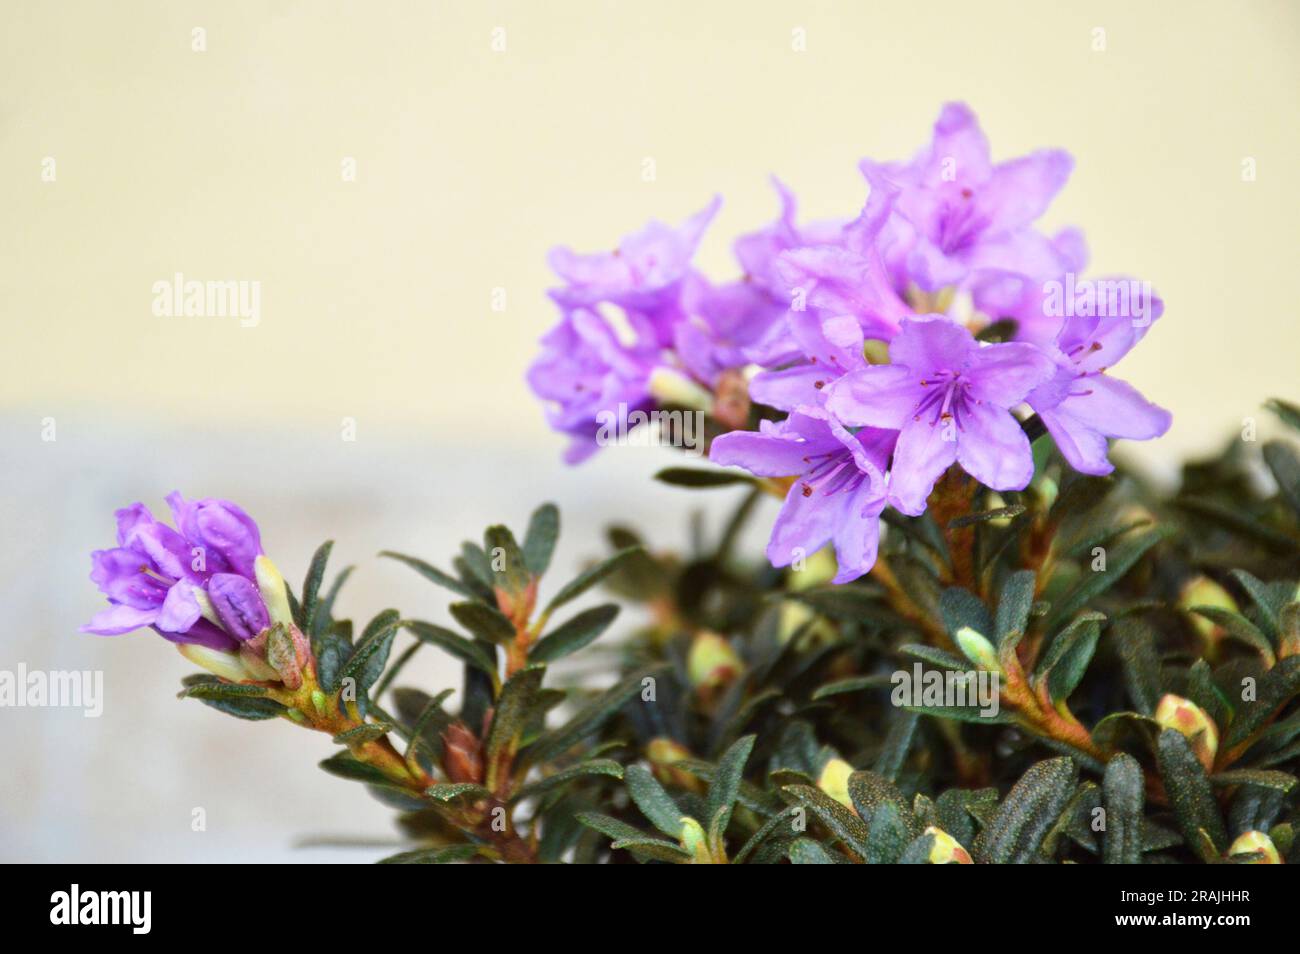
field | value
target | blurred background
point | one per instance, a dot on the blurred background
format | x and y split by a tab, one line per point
393	174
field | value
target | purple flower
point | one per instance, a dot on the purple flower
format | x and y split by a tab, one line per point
957	213
729	326
204	584
950	399
838	492
585	371
643	276
1082	406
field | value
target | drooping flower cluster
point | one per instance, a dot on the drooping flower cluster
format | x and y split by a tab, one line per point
870	338
205	585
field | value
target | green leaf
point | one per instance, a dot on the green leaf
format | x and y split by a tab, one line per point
1190	795
889	834
371	654
869	791
447	854
344	764
466	650
1136	644
918	851
1092	584
1123	796
805	851
1285	465
486	622
1067	658
574	634
589	578
590	717
540	539
507	560
1014	604
970	519
655	803
1267	600
839	821
697	477
588	769
726	783
852	684
1260	778
450	791
240	701
1240	629
325	608
1285	410
309	608
515	709
432	573
363	733
633	839
1276	688
893	752
1029	811
962	608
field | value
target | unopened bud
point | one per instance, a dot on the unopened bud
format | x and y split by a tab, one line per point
694	840
712	663
978	649
834	781
1175	712
1252	842
228	666
270	586
1203	591
462	755
946	850
662	753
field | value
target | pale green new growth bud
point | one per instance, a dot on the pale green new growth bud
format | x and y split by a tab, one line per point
671	388
834	781
978	649
1251	842
694	840
1175	712
270	584
946	850
228	666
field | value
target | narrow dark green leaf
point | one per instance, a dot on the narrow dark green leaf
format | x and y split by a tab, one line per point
1123	797
1029	811
1190	795
805	851
1283	461
466	650
1067	658
450	791
1287	412
485	622
1240	629
1276	688
1260	778
655	803
574	634
1120	559
515	709
696	477
371	654
506	559
308	608
447	854
1014	604
540	539
432	573
726	783
589	769
240	701
363	733
839	821
589	578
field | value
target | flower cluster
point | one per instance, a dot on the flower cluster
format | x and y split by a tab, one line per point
205	585
877	352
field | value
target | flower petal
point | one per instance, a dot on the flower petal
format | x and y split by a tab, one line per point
930	343
923	453
118	619
1004	374
1079	444
239	606
993	449
880	395
1116	408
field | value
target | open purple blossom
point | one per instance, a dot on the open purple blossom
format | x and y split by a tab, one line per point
207	582
950	399
957	212
643	276
838	492
1082	406
584	371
